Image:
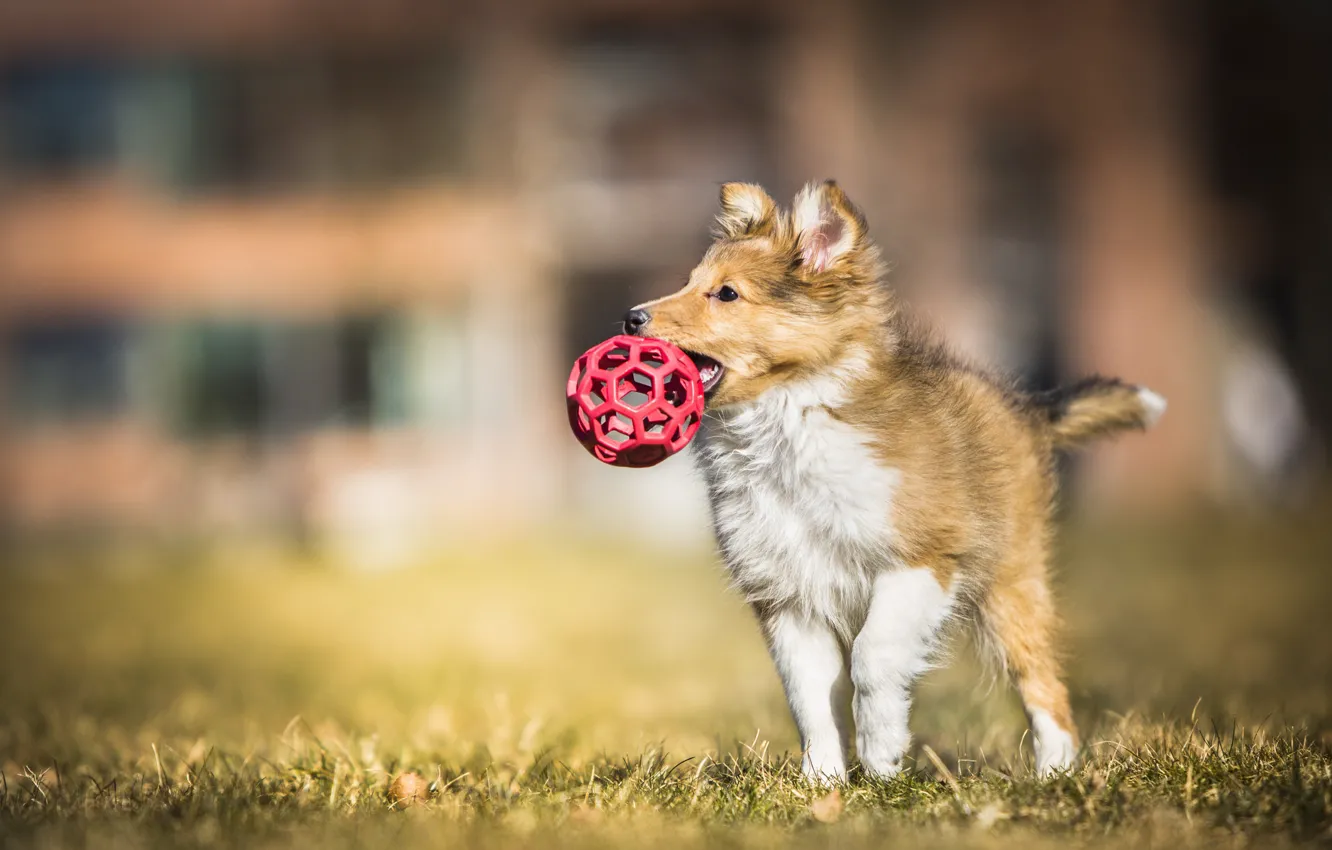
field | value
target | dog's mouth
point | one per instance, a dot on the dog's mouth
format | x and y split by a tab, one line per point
709	371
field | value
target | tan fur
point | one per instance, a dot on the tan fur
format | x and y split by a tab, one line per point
976	456
1100	408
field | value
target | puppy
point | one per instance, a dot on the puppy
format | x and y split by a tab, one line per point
867	488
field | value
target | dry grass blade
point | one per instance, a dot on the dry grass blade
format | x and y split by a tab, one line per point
948	777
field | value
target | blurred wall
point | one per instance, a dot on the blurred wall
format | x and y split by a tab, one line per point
319	268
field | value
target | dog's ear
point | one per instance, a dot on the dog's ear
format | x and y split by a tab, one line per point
828	226
746	210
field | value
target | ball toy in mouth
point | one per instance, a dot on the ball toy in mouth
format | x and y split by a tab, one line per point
634	401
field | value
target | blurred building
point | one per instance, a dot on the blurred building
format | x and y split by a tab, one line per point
319	266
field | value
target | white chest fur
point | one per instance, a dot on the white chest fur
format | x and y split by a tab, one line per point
801	507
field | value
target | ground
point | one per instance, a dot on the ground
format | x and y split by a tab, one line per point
560	693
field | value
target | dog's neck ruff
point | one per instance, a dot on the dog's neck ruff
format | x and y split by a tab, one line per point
800	505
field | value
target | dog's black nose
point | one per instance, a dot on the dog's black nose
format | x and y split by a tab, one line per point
635	319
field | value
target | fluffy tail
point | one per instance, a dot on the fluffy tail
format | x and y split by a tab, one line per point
1098	407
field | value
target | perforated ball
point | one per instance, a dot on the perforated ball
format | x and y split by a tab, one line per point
634	401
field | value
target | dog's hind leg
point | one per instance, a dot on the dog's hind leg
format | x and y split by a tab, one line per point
812	665
1018	622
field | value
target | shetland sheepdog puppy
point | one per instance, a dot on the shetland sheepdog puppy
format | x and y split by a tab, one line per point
867	487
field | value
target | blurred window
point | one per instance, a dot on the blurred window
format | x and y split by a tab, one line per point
222	378
648	105
281	377
58	118
254	123
370	373
293	122
434	352
66	371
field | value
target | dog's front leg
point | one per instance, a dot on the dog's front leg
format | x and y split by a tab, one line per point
907	610
813	667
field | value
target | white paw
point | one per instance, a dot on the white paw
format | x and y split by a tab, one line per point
823	768
881	750
1056	758
882	769
1055	751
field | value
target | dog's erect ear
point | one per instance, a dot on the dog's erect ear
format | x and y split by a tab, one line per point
746	210
828	226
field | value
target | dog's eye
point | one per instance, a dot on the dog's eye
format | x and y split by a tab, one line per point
726	293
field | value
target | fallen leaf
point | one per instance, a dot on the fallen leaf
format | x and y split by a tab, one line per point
582	813
408	789
828	808
989	815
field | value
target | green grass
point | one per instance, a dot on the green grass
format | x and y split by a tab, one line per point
573	695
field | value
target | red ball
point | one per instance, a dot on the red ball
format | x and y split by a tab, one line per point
634	401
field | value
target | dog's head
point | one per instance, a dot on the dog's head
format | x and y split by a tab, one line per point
777	295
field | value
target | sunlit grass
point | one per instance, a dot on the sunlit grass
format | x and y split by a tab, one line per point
562	694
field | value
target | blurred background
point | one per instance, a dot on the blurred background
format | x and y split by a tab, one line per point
314	270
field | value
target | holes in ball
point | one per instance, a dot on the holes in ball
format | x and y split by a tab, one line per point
634	390
652	357
595	396
613	358
618	427
680	435
674	390
655	422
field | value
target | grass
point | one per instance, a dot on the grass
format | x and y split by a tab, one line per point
575	696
